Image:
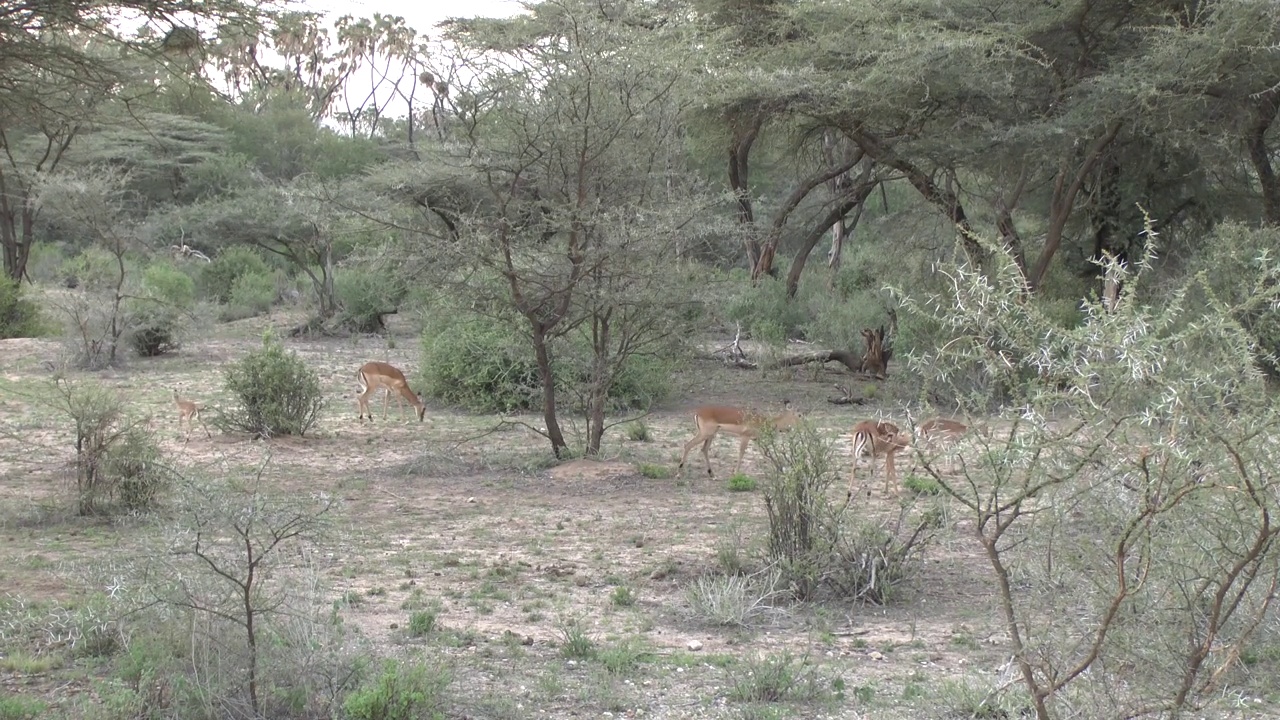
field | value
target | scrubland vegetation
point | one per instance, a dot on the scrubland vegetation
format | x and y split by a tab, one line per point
1056	223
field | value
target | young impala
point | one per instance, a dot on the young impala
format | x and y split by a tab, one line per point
743	423
189	411
375	375
876	439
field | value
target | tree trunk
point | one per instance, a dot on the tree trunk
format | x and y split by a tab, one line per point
837	214
744	136
548	391
601	381
941	198
1264	114
801	191
1063	200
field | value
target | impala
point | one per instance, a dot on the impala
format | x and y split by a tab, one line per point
743	423
938	430
375	375
876	439
189	411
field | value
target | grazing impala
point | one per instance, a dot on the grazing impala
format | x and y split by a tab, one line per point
373	376
939	430
744	423
876	439
190	412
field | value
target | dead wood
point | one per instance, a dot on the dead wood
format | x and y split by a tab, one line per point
851	360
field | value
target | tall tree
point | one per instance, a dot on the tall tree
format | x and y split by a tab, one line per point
567	129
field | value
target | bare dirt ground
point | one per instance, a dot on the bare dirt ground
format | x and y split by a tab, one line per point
512	546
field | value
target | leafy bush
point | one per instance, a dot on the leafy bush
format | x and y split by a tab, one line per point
277	393
93	269
765	312
1237	262
365	295
410	691
156	316
19	316
818	547
251	295
118	463
218	278
480	365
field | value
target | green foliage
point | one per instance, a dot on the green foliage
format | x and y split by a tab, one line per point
365	294
93	269
118	463
1237	261
655	472
479	364
19	707
922	485
638	431
252	294
19	316
413	690
156	315
218	278
742	483
766	313
820	549
423	622
778	678
163	281
276	391
576	644
623	596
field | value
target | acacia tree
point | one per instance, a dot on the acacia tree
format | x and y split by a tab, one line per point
61	63
567	130
1151	493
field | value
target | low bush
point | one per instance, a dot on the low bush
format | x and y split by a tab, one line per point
218	278
118	464
19	315
277	393
403	691
365	296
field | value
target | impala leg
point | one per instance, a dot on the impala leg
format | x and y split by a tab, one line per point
706	444
386	397
742	451
687	447
858	446
888	473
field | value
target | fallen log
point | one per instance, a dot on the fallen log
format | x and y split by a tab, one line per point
850	360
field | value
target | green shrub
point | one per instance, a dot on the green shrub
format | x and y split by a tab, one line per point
18	707
423	622
365	295
409	691
276	391
164	282
219	276
480	365
638	431
765	312
156	317
741	483
19	316
252	294
118	463
93	269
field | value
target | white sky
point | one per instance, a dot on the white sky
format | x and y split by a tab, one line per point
421	15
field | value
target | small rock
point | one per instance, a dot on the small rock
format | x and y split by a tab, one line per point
471	499
528	640
694	645
876	655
